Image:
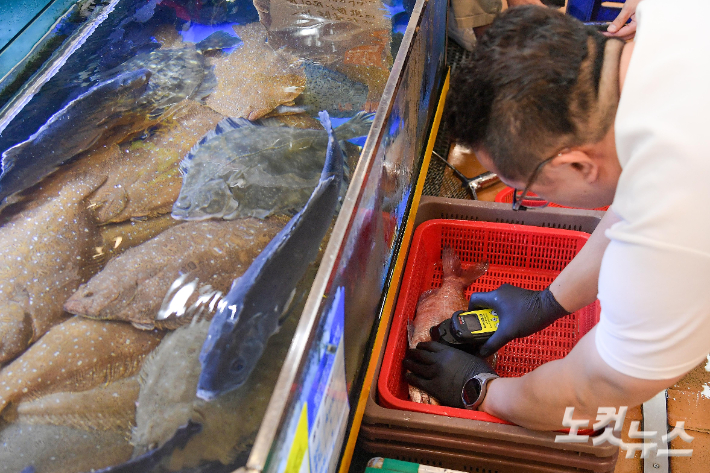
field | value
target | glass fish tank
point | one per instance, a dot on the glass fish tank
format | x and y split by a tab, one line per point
199	205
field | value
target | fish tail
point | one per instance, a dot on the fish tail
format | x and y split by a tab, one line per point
473	272
325	121
334	158
450	262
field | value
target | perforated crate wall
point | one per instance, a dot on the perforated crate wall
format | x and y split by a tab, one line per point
528	257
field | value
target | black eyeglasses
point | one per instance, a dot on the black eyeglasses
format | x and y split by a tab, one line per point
518	196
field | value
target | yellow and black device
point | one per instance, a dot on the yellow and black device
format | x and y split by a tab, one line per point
470	327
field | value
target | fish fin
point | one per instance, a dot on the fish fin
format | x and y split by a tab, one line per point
207	86
426	294
272	122
325	121
359	125
217	40
450	262
171	323
222	127
231	123
410	333
473	272
143	326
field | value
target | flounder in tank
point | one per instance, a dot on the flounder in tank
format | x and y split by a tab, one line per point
122	101
243	169
250	313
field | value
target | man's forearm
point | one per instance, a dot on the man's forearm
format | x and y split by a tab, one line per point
581	380
576	285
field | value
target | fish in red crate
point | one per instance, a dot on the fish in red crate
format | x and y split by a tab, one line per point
437	305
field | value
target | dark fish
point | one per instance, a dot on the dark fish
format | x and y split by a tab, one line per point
251	310
332	91
217	40
70	131
246	170
176	74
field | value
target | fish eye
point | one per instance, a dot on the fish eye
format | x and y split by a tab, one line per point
237	366
214	206
203	200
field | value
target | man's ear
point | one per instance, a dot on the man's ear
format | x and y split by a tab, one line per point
575	162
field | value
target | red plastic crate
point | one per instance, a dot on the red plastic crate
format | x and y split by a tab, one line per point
528	257
506	196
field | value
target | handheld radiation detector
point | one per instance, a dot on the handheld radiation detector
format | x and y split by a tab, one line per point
470	327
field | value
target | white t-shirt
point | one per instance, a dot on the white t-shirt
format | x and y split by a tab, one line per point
654	283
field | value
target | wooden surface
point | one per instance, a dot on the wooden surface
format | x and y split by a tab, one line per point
466	162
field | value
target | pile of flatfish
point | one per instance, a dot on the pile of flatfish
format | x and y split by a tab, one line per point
153	249
132	286
242	169
47	252
123	101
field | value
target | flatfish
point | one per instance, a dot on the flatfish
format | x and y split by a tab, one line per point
123	101
133	285
73	129
437	305
59	449
254	79
332	91
242	169
251	311
167	399
119	237
47	252
146	180
76	355
105	407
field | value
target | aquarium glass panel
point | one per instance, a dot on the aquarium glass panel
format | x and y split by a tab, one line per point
171	171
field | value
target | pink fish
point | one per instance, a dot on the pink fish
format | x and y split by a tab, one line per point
437	305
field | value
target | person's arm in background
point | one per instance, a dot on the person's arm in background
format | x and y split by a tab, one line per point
618	28
576	285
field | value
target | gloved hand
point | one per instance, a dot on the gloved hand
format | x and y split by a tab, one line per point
521	312
442	370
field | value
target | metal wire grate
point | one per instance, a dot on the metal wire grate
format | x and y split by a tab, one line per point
440	181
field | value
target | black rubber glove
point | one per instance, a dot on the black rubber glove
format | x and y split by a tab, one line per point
442	370
521	312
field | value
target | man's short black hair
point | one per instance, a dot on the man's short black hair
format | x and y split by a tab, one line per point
530	89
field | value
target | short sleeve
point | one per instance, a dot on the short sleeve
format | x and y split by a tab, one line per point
655	299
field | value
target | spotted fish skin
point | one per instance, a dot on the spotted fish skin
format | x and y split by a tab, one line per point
47	252
254	79
59	449
76	355
105	407
146	180
332	91
251	311
133	285
246	170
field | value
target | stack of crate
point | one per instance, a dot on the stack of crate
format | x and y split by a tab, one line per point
529	253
